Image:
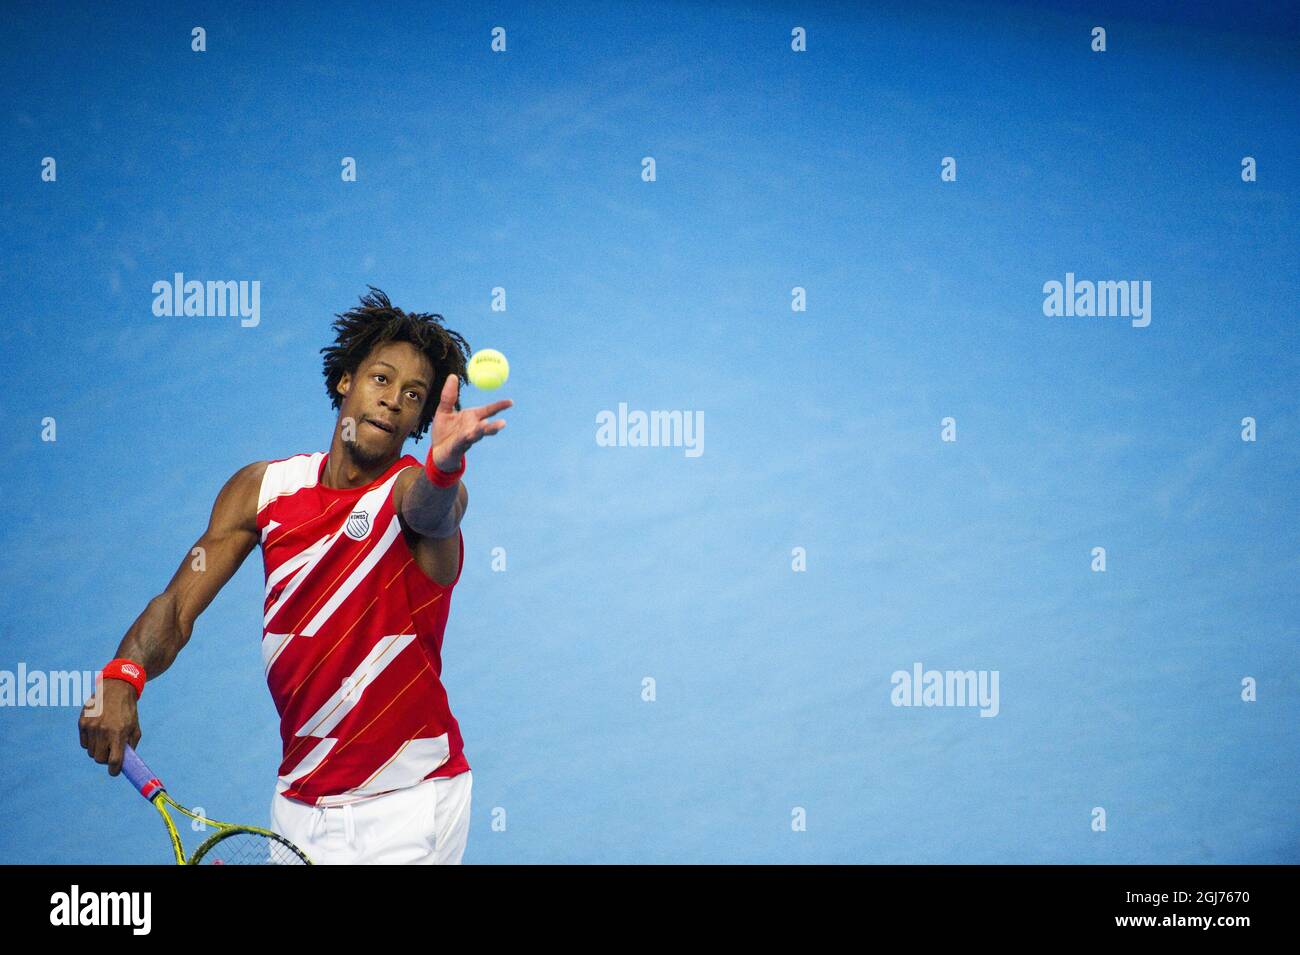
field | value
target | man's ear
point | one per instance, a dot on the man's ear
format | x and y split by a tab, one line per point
344	385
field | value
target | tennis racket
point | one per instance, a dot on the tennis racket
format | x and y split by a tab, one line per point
229	845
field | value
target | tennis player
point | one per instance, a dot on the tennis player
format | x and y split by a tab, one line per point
362	551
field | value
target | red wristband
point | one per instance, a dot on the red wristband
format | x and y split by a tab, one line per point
438	476
128	670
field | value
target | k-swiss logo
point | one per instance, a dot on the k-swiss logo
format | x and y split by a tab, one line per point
358	525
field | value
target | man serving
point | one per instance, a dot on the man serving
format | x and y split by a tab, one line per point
362	550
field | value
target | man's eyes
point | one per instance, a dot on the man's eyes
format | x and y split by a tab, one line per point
415	395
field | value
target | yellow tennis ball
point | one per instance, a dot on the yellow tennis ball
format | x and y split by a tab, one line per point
488	369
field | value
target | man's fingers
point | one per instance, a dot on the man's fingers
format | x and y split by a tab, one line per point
447	400
115	754
487	411
83	728
468	426
491	427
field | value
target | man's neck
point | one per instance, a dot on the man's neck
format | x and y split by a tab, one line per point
343	473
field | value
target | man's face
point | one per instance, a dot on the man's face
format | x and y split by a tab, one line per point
385	399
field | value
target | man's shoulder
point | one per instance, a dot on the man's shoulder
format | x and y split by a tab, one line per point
275	478
408	469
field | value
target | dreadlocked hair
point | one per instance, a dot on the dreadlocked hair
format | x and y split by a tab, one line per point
377	322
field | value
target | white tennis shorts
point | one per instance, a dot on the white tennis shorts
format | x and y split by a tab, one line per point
424	824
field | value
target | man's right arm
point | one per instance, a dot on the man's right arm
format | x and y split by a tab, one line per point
166	624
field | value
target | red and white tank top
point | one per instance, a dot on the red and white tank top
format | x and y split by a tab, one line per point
352	639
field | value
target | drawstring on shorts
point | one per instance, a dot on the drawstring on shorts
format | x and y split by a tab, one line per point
318	816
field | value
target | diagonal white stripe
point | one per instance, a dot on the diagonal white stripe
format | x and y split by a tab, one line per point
308	764
370	502
296	562
304	572
266	531
359	573
348	695
415	759
273	645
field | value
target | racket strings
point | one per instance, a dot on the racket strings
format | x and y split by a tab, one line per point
250	848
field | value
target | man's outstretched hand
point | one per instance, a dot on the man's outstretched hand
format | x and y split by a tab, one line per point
455	432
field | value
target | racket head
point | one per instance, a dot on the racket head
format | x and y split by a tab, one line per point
231	845
248	845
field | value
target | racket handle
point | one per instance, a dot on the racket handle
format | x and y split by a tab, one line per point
141	776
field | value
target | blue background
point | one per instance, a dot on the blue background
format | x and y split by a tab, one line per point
820	170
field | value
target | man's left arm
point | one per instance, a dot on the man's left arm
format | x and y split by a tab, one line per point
427	509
